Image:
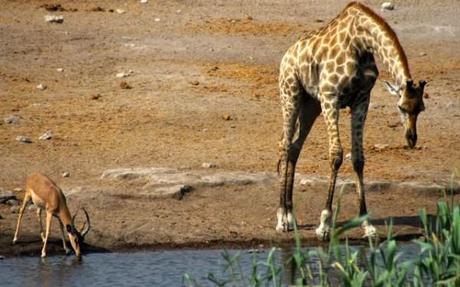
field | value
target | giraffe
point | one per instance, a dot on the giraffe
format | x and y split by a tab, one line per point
326	71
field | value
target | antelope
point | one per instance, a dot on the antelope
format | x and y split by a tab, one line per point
46	195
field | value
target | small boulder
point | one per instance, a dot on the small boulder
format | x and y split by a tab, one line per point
124	85
46	136
387	6
14	209
42	87
13	119
208	165
381	147
66	174
54	19
6	195
23	139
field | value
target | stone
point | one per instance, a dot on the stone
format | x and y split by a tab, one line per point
174	191
381	146
120	11
14	209
23	139
387	6
54	19
13	119
122	75
12	202
124	85
46	136
227	117
66	174
6	195
42	87
208	165
157	19
32	207
348	156
144	1
60	70
195	83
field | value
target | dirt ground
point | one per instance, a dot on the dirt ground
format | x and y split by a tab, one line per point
203	89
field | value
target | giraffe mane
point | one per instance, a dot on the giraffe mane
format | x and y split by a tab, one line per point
384	26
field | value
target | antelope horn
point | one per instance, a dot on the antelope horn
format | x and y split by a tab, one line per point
73	218
86	227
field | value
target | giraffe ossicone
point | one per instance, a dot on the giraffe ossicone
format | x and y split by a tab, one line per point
334	68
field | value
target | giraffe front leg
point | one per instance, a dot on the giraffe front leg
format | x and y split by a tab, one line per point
331	115
290	93
358	117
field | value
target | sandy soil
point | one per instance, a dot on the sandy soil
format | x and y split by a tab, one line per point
204	89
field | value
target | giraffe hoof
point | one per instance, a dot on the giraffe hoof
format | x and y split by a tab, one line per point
43	254
370	231
285	221
323	232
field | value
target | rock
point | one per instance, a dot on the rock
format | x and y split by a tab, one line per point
120	11
124	85
66	174
23	139
60	70
175	191
195	83
6	195
381	146
12	202
14	209
422	54
134	173
208	165
227	117
387	6
122	75
394	124
53	7
96	97
32	207
46	136
13	119
144	1
1	256
157	20
42	87
348	156
54	19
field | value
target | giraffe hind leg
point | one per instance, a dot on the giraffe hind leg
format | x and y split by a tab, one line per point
358	117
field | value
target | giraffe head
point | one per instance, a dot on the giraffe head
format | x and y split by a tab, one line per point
410	104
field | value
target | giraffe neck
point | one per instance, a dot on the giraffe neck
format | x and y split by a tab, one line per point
374	35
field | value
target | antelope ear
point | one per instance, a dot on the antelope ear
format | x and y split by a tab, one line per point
392	89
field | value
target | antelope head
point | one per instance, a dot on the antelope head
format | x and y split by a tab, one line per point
77	236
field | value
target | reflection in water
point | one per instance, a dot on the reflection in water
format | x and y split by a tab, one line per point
149	268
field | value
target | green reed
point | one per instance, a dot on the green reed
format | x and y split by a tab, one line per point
378	264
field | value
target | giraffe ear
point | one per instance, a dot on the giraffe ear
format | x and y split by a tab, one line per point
394	90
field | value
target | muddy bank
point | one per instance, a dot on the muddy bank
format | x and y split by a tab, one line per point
130	210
